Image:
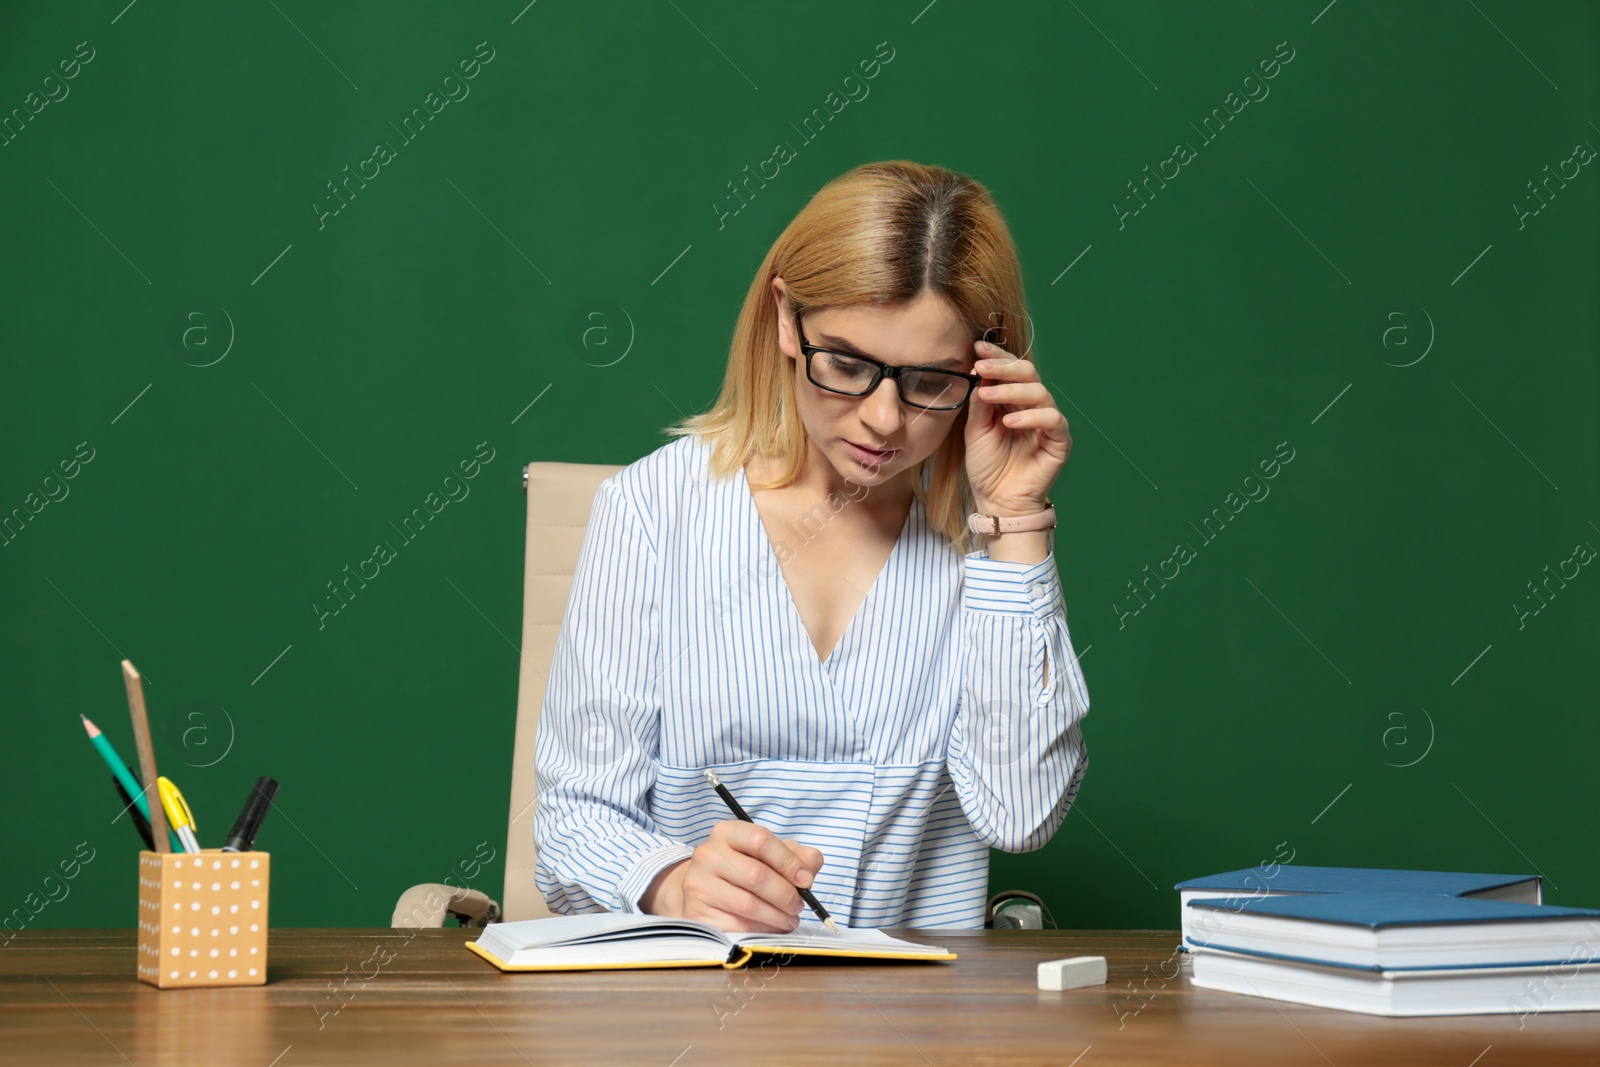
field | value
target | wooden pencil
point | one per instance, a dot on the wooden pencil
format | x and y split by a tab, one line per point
147	755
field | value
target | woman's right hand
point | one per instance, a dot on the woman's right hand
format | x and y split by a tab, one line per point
742	879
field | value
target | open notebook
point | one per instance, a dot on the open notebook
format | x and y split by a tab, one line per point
626	941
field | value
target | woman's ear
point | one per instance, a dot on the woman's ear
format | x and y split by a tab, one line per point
788	340
780	295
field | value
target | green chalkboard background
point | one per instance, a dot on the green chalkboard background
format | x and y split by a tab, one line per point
1353	269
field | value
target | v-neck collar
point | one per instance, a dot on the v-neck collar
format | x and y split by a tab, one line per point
758	530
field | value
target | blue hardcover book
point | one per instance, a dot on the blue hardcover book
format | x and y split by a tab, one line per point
1274	879
1395	931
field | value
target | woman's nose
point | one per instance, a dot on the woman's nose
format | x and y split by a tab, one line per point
881	410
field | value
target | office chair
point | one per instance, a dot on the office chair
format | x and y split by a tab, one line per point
559	498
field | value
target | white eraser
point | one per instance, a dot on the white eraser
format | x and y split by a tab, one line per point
1073	973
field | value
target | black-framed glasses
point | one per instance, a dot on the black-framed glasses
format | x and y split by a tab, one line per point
851	374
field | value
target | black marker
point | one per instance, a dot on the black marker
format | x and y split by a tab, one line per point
140	823
242	837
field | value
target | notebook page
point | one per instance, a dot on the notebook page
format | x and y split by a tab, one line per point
505	939
622	953
813	935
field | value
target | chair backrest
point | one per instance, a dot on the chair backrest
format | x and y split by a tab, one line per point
559	499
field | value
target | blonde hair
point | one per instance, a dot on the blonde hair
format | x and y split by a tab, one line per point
881	233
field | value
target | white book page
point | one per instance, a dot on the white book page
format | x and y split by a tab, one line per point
600	954
571	930
816	936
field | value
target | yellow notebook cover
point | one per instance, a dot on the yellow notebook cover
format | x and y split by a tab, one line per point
504	966
610	941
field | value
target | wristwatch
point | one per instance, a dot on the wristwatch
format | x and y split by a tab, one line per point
994	525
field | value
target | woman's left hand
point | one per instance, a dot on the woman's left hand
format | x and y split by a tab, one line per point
1016	437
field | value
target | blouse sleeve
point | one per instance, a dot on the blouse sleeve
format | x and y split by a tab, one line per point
595	751
1016	752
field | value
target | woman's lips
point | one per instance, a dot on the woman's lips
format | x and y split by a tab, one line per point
871	457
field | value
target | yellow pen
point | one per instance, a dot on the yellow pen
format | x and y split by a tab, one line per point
178	812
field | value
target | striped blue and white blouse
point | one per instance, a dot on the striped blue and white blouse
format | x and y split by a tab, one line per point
929	734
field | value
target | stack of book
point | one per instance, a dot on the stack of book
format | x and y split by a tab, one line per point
1392	942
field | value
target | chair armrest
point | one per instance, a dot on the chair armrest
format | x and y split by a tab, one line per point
427	905
1016	909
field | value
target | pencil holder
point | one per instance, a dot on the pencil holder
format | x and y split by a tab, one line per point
203	918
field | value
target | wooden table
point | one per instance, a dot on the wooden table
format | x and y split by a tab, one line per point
69	997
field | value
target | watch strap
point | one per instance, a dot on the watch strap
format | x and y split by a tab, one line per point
994	525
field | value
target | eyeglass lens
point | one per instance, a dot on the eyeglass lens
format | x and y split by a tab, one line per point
846	374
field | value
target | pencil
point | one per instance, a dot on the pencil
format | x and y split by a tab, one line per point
739	813
147	753
133	798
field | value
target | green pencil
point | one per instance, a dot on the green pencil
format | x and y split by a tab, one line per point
120	769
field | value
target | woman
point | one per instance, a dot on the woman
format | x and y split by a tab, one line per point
788	594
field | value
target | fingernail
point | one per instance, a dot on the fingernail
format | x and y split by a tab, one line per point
803	878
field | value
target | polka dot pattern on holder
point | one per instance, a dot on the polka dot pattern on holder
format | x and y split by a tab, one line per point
194	886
